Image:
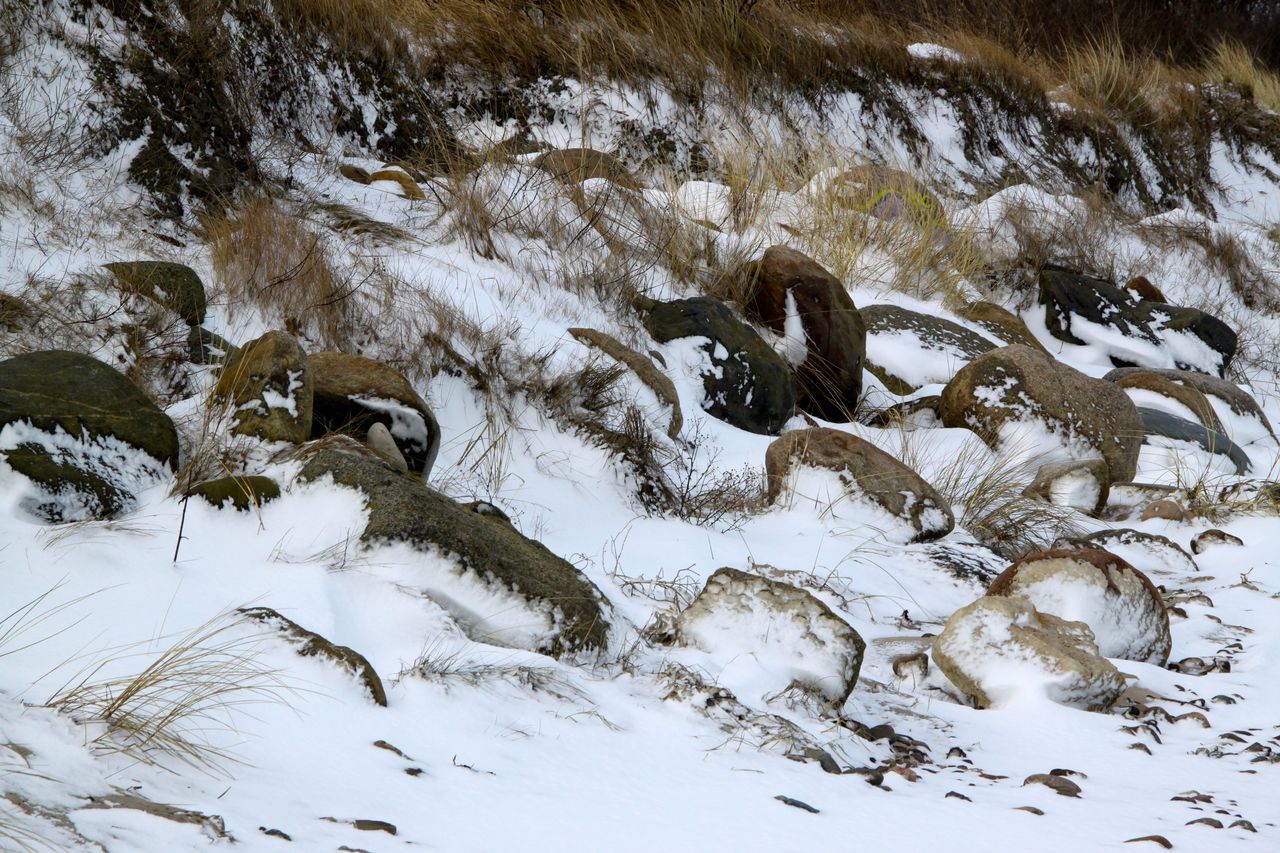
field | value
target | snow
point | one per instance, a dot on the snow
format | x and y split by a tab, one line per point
621	752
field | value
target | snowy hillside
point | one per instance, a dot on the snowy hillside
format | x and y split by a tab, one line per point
385	466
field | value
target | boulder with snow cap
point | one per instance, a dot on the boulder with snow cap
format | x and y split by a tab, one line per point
1150	553
500	585
82	434
351	393
999	650
1164	425
1016	394
907	349
1001	322
1118	603
268	384
1236	402
1156	391
746	384
861	471
1081	484
784	632
793	295
1080	309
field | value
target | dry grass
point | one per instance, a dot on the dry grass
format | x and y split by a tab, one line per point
1231	62
185	695
264	255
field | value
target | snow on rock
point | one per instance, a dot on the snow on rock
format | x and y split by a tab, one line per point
769	636
804	463
1119	603
1150	553
1003	652
1082	484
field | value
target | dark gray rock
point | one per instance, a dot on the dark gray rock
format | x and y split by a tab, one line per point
934	333
755	388
205	347
486	546
1164	424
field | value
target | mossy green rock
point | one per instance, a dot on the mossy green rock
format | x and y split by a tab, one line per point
268	382
402	509
749	386
58	389
69	493
175	286
243	492
311	644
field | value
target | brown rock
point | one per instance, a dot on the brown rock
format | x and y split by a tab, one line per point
1118	603
1166	509
353	392
1208	538
1141	287
1082	484
830	377
1002	323
407	184
1014	383
1184	394
1240	402
354	173
269	386
662	387
311	644
863	469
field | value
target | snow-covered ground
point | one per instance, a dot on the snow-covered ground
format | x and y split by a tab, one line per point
484	747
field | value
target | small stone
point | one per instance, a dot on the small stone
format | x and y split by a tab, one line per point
1060	784
1155	839
1166	509
365	825
354	173
1213	537
796	804
380	442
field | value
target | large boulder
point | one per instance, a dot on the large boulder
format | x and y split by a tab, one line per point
907	349
775	635
1165	425
1015	393
746	384
862	472
269	387
1084	310
791	294
82	434
1247	422
175	286
1118	603
350	393
495	581
999	650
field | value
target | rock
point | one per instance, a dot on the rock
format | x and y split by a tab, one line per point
379	440
997	649
1120	605
919	413
531	597
748	384
408	186
1157	335
311	644
1001	394
1152	553
270	387
661	386
243	492
784	632
353	392
56	389
1188	397
1158	423
575	165
69	487
1002	323
797	298
1203	541
175	286
1165	509
1142	289
1238	402
204	347
906	349
1060	785
863	471
354	173
1082	484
